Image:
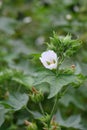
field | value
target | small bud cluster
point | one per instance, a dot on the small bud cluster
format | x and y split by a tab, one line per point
57	50
30	126
53	126
63	46
36	96
45	118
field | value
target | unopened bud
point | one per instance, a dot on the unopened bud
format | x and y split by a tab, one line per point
32	126
36	96
6	95
55	125
34	90
73	66
45	118
69	17
26	122
52	127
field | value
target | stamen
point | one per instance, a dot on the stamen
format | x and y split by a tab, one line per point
51	62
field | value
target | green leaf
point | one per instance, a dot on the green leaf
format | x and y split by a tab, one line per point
6	25
27	81
6	74
36	114
17	100
17	76
2	114
56	82
71	122
59	82
75	97
34	56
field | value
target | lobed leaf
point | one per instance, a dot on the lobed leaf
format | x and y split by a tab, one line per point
56	82
17	100
71	122
2	114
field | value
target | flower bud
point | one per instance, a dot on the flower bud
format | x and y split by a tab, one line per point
53	126
30	126
6	95
73	66
36	96
69	17
45	118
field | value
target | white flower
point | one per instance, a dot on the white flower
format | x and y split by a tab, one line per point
27	20
49	59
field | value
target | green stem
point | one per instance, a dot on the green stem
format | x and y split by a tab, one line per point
53	109
59	63
19	88
29	110
57	69
41	108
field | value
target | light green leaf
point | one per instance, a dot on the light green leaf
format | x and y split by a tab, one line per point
59	82
6	25
17	100
75	97
36	114
27	81
71	122
2	114
56	82
17	76
5	74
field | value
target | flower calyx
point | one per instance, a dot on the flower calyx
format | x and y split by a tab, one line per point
53	126
30	125
36	96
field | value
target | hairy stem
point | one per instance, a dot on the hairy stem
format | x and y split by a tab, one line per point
41	108
53	109
29	111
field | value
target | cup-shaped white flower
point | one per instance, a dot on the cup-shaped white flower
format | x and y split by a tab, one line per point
49	59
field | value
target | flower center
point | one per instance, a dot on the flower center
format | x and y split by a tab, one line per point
51	62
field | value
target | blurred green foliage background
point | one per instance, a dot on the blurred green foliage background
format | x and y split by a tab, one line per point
25	26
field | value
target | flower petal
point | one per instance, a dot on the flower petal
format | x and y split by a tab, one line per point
49	59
